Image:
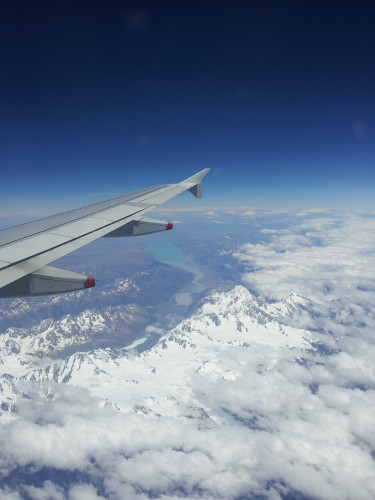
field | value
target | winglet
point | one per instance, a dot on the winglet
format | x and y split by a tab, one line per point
193	183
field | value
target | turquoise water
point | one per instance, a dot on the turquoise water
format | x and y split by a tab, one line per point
166	252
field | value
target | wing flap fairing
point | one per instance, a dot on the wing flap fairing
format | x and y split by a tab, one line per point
46	281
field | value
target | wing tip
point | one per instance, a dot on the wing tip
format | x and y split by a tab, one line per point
193	183
197	178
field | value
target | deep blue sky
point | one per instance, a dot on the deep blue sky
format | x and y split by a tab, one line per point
106	97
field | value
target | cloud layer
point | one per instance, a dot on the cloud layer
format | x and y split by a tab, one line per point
264	395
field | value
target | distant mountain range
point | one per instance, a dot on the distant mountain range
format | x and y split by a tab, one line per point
227	322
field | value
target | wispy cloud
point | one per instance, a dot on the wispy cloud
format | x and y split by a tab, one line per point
311	211
248	213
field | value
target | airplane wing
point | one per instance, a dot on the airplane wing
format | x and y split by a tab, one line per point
26	250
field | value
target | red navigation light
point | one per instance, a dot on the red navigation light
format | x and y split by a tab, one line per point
90	282
169	226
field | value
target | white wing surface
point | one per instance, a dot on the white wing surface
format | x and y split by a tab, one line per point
26	250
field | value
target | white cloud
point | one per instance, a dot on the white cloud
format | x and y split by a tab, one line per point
46	492
314	258
83	492
211	213
9	494
248	213
268	231
311	211
275	211
154	329
241	400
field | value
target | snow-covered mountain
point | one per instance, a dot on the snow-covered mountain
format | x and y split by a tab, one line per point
229	329
144	289
234	402
155	386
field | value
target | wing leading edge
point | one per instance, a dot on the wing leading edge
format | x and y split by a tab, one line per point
26	250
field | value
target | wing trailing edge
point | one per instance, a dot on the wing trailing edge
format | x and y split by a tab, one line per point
141	227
